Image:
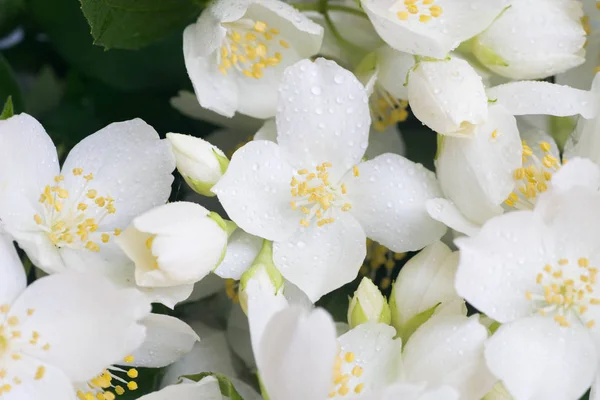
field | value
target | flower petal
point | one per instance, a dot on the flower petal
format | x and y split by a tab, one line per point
88	323
167	340
532	97
448	350
53	382
425	281
388	199
28	162
584	141
242	249
323	116
393	66
255	191
321	259
206	389
388	141
477	173
577	172
447	213
537	359
296	355
129	163
409	391
460	20
13	280
500	264
376	352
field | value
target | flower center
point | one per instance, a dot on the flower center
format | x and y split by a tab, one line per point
316	197
424	10
111	382
346	374
567	291
249	47
379	264
10	333
533	178
386	110
72	219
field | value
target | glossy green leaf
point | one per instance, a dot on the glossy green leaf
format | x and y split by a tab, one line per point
8	110
131	24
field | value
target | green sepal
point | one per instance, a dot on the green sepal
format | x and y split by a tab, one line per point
8	110
202	188
405	331
225	385
440	145
223	161
487	56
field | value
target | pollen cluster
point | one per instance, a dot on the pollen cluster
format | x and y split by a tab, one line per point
109	384
534	177
568	290
341	379
249	47
316	196
72	219
386	110
424	9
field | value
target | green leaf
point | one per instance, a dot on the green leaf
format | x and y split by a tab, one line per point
131	24
414	323
227	388
156	68
9	86
8	110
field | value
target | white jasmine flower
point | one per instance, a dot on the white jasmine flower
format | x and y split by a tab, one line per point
240	48
205	389
521	47
310	194
174	244
425	287
584	141
430	28
200	163
448	96
54	332
536	273
68	218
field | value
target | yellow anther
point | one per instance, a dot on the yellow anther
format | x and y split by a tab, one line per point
435	11
583	262
59	178
132	373
304	222
284	44
495	132
358	388
357	371
349	357
39	373
129	359
89	177
260	26
413	9
424	18
105	237
92	193
38	220
132	385
563	261
545	146
149	242
355	171
590	324
402	15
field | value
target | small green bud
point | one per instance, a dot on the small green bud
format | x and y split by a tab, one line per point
368	305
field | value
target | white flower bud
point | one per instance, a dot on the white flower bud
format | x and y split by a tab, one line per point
448	96
534	39
200	163
368	305
263	271
174	244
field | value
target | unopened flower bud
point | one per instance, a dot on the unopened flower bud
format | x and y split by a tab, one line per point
368	305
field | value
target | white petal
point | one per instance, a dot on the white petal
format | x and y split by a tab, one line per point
167	340
577	172
238	336
213	90
477	173
304	35
448	350
129	163
242	249
206	389
393	66
88	323
500	264
447	213
448	96
536	359
322	116
13	280
255	191
54	381
375	351
388	199
297	354
531	97
28	162
210	354
425	281
268	131
595	392
584	141
460	20
321	259
240	125
407	391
